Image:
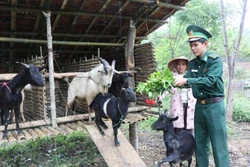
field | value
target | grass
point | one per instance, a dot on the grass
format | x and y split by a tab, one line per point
76	149
241	110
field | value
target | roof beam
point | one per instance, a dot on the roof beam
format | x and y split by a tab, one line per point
59	16
128	25
160	4
23	40
67	35
75	20
79	14
169	15
111	21
4	50
104	6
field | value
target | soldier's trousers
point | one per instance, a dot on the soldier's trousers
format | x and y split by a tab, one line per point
210	125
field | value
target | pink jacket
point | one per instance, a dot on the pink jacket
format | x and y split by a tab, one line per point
176	109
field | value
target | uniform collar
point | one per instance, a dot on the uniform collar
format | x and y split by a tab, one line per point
204	57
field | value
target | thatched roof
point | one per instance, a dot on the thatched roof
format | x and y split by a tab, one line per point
79	27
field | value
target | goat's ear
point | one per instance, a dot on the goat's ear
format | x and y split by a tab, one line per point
165	111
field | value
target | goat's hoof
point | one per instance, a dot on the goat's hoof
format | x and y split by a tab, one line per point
102	133
4	136
91	122
105	127
19	132
117	144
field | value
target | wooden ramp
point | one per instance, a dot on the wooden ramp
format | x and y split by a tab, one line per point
121	156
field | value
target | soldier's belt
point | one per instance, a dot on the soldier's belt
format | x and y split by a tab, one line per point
211	100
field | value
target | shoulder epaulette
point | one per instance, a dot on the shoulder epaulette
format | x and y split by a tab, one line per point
212	55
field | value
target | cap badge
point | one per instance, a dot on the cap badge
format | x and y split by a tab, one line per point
190	33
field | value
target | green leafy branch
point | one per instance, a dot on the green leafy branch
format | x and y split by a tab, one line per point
156	84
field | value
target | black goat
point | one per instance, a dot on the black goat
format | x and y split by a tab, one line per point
119	81
10	93
108	106
180	147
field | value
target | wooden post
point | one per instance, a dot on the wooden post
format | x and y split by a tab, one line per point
129	52
133	134
51	71
130	65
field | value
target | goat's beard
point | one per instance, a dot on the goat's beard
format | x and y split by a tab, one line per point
105	88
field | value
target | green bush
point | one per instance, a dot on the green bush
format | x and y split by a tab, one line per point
146	124
241	108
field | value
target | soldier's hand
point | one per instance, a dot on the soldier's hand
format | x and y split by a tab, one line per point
180	81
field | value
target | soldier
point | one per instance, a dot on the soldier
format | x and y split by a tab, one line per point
204	75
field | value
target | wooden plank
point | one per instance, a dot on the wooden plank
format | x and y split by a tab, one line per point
121	156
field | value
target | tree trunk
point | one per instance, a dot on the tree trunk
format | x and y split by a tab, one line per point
231	59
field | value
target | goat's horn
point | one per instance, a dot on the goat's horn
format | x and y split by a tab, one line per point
113	64
105	64
25	65
117	71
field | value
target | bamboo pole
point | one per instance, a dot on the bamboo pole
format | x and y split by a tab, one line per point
3	142
66	128
31	124
40	133
56	132
33	134
20	137
64	35
47	132
24	40
27	135
11	139
51	71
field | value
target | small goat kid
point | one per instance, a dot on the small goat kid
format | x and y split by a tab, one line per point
10	93
180	147
108	106
98	80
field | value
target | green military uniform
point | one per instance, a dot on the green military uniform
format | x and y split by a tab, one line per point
205	77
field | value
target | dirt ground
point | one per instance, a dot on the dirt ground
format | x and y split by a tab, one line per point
152	148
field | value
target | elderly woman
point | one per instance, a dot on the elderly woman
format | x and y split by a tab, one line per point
182	100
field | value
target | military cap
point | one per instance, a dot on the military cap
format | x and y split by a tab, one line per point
196	32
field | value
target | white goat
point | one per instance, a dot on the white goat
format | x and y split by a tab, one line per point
88	85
